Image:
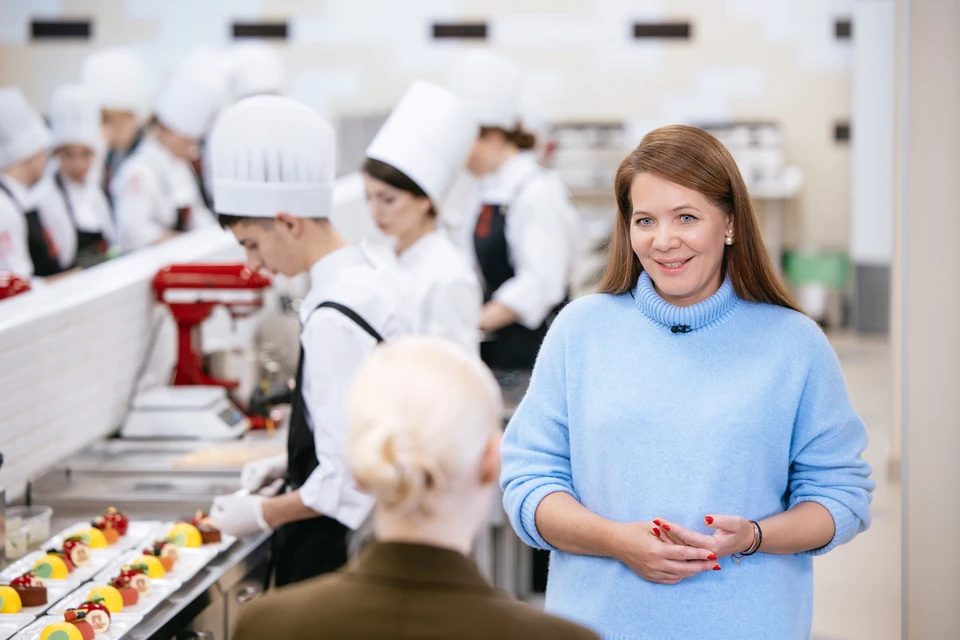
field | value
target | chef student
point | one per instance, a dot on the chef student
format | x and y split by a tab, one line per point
118	79
273	180
70	193
27	247
156	195
407	171
520	224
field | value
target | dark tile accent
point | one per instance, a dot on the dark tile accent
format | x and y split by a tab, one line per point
60	29
841	132
668	30
460	30
274	30
843	29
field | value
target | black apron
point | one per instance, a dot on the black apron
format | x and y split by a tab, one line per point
312	547
91	245
513	347
43	251
111	166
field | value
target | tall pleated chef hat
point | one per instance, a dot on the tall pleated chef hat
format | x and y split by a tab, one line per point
257	69
191	99
22	131
491	84
427	136
118	79
75	118
272	155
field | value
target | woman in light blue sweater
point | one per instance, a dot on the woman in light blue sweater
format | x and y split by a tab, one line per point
687	416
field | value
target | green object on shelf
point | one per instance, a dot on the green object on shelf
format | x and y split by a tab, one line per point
830	269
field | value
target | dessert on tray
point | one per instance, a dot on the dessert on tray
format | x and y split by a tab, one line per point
199	531
79	619
209	533
31	589
55	565
98	615
113	524
61	631
10	600
77	551
165	551
134	577
114	599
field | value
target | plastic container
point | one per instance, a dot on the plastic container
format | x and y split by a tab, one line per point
36	521
17	540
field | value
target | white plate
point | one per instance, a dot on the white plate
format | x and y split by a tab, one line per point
190	563
99	558
10	623
120	625
55	592
225	543
137	532
160	590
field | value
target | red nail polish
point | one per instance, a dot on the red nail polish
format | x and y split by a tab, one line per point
716	567
656	522
656	532
711	557
708	519
666	527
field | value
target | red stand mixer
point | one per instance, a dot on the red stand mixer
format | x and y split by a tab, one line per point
191	291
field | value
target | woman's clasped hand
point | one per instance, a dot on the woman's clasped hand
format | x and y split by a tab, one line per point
665	552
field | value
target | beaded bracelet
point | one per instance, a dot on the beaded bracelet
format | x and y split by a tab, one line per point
757	541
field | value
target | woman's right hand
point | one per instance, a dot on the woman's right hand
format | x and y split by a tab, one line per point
657	559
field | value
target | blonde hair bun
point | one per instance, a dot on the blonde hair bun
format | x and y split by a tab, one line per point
421	413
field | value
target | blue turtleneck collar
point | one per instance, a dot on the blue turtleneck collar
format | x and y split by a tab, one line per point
713	310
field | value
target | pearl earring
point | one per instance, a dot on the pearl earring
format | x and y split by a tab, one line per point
729	239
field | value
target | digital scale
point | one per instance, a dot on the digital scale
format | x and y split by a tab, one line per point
185	412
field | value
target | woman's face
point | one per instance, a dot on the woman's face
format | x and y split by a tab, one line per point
398	213
75	161
486	154
678	235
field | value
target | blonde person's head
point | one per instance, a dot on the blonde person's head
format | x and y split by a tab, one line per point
423	416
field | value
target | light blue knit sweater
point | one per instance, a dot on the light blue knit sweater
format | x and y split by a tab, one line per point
746	414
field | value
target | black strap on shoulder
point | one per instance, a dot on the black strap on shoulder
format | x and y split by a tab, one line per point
9	193
66	198
353	315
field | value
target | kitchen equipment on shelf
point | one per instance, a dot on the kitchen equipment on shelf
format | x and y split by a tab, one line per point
199	412
197	405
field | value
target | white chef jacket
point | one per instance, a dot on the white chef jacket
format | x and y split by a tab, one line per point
14	249
334	346
446	292
542	232
90	209
151	185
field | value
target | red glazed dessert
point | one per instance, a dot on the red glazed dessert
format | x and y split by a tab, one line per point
63	556
77	551
31	589
78	619
119	521
97	614
133	577
209	534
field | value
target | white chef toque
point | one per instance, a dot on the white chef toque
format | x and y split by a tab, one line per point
22	131
75	118
427	137
272	155
118	79
191	100
491	84
257	69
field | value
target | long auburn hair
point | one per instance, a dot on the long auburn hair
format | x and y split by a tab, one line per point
692	158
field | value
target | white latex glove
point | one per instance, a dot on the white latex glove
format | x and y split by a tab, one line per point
259	473
238	514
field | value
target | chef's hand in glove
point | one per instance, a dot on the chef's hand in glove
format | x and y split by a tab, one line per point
259	473
239	514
